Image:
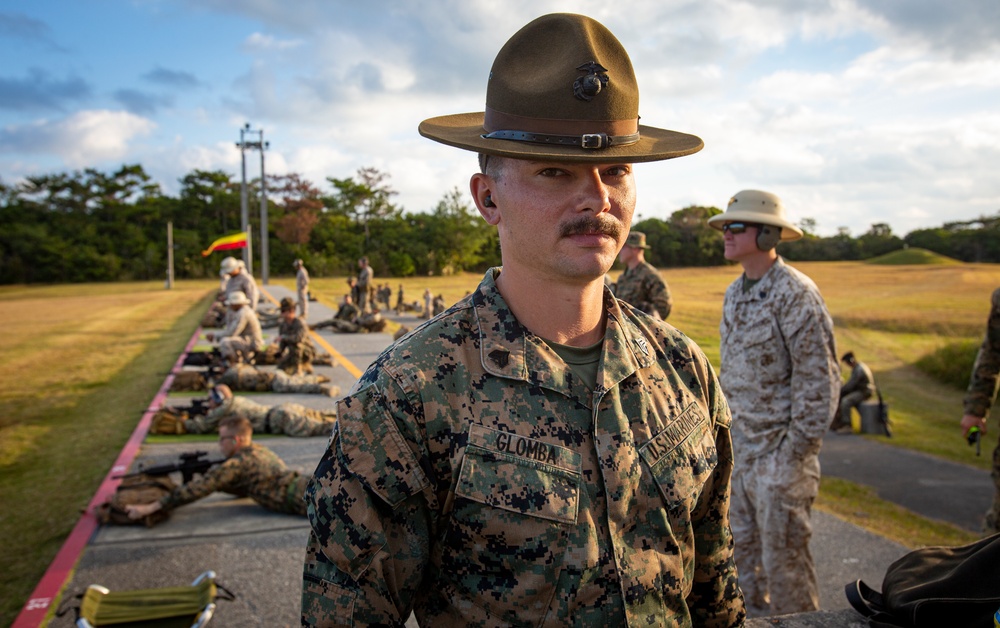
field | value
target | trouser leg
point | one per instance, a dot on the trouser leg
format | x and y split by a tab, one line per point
746	538
992	523
787	491
303	303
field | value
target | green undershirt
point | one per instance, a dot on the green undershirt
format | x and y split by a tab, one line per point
583	361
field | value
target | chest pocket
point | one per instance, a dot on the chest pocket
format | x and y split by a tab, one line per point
520	475
681	459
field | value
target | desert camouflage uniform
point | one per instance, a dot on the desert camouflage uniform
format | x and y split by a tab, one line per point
253	471
243	377
644	288
365	276
474	478
302	290
243	282
242	335
983	391
291	419
368	322
295	349
781	377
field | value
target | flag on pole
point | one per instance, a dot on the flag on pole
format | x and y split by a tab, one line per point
235	241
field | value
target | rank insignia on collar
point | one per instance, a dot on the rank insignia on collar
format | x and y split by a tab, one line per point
500	357
642	345
589	85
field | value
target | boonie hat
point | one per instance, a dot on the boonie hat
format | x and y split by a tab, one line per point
636	240
760	207
237	298
287	305
563	89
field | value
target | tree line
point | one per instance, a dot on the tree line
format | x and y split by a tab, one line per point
109	226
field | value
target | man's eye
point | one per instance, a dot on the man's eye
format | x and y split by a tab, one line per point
550	172
617	171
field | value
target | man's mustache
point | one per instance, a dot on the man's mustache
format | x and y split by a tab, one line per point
586	225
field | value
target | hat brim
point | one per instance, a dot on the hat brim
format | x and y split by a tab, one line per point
789	231
465	131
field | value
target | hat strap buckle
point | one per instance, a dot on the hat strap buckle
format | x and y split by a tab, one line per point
589	141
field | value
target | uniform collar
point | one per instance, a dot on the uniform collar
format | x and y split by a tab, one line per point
762	288
508	349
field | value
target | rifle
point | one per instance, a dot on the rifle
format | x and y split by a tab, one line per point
189	464
198	407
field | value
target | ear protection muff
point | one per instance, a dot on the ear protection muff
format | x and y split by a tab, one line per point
768	237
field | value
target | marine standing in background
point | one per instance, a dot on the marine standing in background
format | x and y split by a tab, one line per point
640	284
981	395
538	454
240	280
250	470
364	284
302	287
780	375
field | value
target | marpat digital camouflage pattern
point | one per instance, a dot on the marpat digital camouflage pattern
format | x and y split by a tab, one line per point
644	288
474	479
781	377
982	393
291	419
243	282
253	471
244	377
294	346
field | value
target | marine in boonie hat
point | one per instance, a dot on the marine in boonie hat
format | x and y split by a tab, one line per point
237	298
759	207
287	304
563	89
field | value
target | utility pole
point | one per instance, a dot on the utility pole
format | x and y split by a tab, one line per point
170	255
244	145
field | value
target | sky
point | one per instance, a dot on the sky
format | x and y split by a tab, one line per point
854	112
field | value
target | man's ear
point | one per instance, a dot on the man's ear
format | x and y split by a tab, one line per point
482	189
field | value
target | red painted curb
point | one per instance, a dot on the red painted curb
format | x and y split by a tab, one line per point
57	575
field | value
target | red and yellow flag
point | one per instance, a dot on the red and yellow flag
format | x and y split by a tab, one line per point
235	241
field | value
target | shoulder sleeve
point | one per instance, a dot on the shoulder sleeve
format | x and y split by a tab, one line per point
372	512
983	383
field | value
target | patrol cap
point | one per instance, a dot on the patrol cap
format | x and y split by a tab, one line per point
563	89
760	207
237	298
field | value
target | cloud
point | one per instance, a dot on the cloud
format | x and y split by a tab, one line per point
24	28
142	103
172	78
80	140
259	42
38	91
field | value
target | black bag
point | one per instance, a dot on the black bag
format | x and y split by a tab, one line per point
935	586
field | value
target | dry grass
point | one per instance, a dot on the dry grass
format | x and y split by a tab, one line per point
81	364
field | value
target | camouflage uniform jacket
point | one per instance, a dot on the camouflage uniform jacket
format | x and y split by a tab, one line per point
302	279
243	282
983	384
644	288
293	333
779	364
252	411
246	324
246	377
475	479
861	380
253	471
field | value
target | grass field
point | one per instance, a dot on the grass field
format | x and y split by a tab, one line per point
83	362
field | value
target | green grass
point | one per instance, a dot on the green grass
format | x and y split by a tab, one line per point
78	373
81	363
912	257
861	506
